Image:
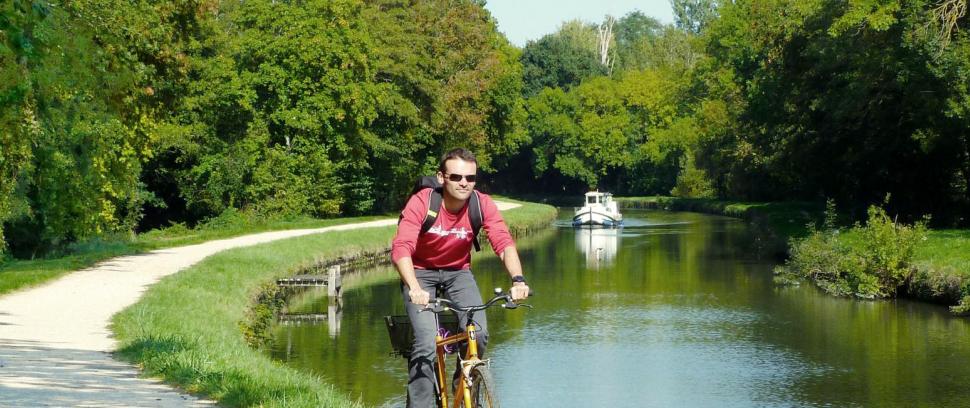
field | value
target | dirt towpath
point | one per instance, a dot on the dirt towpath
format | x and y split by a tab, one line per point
55	343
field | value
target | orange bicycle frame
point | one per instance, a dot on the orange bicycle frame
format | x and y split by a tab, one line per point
472	358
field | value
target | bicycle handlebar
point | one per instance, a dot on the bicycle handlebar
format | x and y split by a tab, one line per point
448	304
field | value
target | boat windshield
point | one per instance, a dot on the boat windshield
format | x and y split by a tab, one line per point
591	199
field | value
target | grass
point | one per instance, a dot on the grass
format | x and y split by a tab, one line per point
19	274
946	249
186	328
943	269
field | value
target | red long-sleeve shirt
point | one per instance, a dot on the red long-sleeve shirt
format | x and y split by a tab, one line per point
447	244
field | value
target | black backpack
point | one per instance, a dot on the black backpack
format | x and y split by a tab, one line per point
434	206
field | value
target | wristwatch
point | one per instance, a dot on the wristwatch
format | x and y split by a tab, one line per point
518	279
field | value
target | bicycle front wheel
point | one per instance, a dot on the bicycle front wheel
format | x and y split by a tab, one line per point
483	388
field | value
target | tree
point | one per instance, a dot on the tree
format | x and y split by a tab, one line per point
83	103
604	41
583	134
634	37
833	83
561	60
693	15
18	122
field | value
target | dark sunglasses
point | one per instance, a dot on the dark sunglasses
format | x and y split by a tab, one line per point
457	177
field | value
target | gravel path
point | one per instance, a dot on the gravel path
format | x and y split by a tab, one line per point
55	343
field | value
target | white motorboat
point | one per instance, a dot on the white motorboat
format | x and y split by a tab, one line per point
600	209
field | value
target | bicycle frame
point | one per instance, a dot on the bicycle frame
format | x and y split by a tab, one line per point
466	363
470	363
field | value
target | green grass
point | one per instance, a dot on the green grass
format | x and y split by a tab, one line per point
19	274
186	328
946	249
943	269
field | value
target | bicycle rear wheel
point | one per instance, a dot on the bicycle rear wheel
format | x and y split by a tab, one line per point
483	388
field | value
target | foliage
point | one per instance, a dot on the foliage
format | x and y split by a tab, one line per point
694	15
692	182
870	261
559	61
635	33
583	133
120	116
834	82
180	110
18	123
78	113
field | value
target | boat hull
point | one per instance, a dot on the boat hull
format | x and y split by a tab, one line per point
597	218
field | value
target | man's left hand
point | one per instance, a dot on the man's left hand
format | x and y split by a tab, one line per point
519	291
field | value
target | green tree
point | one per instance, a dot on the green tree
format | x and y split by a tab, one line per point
635	34
694	15
18	123
84	107
582	134
326	108
822	101
561	60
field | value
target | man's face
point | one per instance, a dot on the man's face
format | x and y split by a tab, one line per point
461	189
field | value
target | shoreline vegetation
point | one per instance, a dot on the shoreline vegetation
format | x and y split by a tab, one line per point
189	328
881	258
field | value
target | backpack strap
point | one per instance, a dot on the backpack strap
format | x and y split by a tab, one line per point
475	214
476	217
434	206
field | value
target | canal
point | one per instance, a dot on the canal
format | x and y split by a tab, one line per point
674	310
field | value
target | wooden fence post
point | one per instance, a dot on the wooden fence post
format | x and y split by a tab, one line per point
333	281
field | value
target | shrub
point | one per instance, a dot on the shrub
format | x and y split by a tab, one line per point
888	248
871	261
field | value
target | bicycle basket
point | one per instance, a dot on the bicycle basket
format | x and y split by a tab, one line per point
402	336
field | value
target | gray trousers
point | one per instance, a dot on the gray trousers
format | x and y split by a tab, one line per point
459	287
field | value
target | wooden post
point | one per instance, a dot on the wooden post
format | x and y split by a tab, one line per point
334	312
333	281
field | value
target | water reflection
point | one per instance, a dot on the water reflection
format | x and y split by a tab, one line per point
598	245
331	318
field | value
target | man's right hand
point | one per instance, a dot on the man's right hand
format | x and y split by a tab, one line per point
419	296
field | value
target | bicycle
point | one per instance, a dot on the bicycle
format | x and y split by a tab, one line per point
474	387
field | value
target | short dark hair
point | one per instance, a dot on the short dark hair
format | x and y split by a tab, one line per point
459	153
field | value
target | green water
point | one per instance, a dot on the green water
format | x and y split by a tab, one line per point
675	310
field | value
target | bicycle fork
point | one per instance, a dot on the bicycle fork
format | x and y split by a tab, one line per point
464	380
466	366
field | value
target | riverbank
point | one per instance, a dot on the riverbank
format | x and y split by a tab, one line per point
942	262
186	329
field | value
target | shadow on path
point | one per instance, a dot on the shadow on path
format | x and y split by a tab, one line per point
32	375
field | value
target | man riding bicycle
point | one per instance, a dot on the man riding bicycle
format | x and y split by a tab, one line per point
440	258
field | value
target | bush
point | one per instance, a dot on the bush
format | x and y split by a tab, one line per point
871	261
888	248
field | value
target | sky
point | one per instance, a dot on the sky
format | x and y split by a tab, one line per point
524	20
